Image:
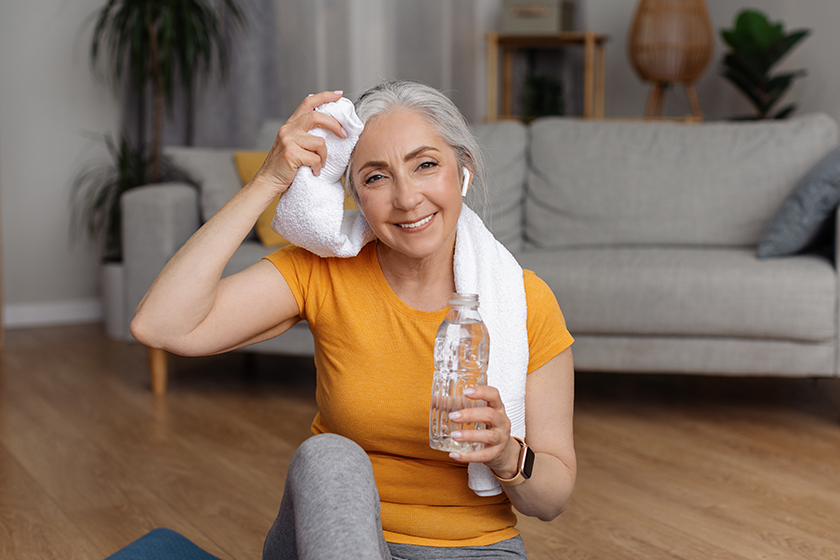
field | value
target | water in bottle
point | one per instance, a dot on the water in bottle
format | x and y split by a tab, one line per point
462	348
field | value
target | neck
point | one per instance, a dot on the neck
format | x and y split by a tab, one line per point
424	284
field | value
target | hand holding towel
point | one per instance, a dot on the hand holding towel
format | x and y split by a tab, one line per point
311	214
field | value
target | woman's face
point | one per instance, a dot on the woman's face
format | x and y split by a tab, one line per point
408	184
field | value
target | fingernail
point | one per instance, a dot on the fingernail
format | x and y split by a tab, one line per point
469	391
344	132
456	435
455	456
454	415
339	92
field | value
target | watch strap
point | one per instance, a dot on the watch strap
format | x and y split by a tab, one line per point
525	465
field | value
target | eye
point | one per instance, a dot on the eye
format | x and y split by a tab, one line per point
428	164
373	178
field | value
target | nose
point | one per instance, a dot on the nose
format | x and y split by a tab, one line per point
406	194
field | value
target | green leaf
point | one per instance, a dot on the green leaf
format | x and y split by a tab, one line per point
747	87
753	26
745	66
785	112
786	43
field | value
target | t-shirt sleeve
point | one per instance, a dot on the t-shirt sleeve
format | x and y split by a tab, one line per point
547	332
300	268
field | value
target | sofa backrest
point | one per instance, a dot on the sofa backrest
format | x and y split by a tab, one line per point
267	134
504	146
214	171
634	183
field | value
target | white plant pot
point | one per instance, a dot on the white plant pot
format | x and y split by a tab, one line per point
113	299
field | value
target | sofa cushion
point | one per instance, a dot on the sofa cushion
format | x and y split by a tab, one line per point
599	183
805	211
248	253
214	171
248	163
503	145
714	292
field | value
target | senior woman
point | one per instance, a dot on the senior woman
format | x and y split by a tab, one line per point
368	485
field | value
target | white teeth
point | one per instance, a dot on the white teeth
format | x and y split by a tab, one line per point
416	224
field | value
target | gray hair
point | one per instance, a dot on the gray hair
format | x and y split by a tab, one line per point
436	108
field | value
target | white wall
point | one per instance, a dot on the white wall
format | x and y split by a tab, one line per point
48	103
819	91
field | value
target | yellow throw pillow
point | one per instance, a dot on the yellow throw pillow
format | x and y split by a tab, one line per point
247	165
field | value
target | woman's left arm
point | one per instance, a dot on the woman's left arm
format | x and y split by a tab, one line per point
549	410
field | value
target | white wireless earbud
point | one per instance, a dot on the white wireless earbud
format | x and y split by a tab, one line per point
466	186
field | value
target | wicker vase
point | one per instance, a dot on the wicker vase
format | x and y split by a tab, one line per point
671	41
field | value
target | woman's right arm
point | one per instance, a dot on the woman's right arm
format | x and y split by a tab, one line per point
190	309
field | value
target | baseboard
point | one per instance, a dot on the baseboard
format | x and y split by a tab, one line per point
27	315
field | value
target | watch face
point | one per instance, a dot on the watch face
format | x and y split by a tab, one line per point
528	463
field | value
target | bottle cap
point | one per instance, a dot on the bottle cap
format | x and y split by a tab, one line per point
463	299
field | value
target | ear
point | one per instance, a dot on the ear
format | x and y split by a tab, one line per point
466	185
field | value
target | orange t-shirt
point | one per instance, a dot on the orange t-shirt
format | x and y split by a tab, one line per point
374	357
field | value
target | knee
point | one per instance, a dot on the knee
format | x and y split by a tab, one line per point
332	455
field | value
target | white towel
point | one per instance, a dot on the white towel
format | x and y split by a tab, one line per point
311	214
485	267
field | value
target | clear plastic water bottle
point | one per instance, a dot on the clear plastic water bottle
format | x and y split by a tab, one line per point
462	347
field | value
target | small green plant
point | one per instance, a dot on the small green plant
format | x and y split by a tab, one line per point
757	45
542	96
95	193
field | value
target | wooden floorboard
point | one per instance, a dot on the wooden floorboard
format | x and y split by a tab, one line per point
670	467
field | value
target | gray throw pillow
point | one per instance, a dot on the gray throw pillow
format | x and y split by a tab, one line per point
803	213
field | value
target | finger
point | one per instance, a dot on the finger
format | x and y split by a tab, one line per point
485	393
315	145
484	414
291	144
482	456
317	119
487	437
306	151
316	100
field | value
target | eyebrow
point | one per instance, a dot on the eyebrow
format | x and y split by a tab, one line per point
408	157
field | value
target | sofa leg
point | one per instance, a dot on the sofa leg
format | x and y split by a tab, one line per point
158	367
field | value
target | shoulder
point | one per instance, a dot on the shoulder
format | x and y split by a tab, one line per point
311	274
538	295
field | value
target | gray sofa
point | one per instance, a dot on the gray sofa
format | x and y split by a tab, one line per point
646	233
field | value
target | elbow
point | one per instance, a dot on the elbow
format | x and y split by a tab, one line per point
552	514
161	336
147	332
141	332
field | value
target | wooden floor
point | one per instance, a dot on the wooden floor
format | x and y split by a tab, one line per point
669	466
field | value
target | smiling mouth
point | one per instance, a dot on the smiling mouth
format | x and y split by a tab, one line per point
417	224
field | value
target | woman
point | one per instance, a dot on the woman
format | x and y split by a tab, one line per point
368	484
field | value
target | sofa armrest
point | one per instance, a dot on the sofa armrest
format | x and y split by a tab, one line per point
837	240
156	221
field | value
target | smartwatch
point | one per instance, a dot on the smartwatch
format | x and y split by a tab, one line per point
526	465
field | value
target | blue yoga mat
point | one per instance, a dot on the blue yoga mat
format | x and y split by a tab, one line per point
162	544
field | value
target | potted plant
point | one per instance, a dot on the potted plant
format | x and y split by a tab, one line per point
163	42
148	43
756	46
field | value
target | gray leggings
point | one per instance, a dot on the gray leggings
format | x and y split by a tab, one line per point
330	511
